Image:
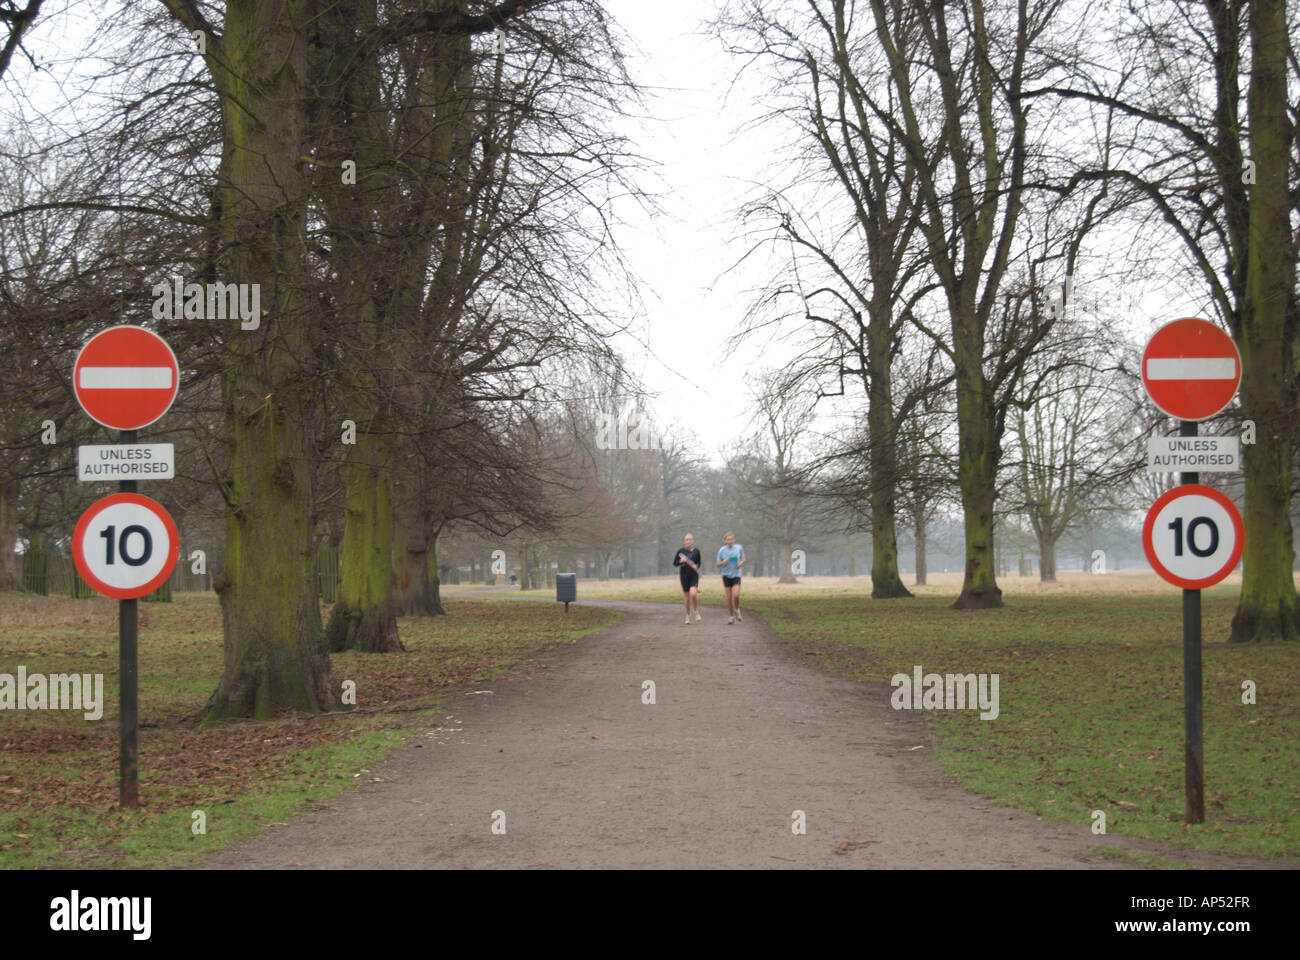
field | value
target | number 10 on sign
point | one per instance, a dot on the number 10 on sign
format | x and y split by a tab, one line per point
125	545
1193	536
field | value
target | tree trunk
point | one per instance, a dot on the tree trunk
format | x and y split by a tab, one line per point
885	580
435	579
363	618
786	567
977	472
275	656
11	563
882	439
1047	559
918	533
1267	609
412	593
785	571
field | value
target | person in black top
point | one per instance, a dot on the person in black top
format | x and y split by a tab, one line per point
688	563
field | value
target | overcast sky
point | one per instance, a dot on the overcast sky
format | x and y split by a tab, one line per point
706	165
691	305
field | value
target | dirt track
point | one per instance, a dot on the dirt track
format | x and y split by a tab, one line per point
745	731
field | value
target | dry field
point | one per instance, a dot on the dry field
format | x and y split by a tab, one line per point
1124	583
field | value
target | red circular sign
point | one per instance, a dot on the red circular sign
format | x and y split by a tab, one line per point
126	377
1191	369
125	545
1193	536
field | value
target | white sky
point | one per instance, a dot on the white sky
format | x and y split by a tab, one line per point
707	167
682	254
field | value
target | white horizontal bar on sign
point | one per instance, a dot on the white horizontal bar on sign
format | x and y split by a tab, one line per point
126	378
1192	368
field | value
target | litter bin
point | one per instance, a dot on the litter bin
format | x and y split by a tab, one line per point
566	589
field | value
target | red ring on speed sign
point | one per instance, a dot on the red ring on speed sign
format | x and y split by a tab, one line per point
122	555
1186	536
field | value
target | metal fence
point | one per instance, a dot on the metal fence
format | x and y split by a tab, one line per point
329	574
46	572
50	573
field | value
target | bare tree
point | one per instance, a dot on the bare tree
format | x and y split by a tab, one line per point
975	61
780	471
1204	133
1061	453
18	19
854	277
276	70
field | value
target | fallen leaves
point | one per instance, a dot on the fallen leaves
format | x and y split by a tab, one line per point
847	846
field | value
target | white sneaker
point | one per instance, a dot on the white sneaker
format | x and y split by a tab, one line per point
698	618
739	619
731	619
688	621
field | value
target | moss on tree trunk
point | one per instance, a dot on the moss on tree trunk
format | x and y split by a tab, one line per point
886	583
275	656
885	580
977	473
1267	609
363	618
918	535
11	564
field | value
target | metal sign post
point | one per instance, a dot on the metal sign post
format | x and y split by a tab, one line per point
126	546
1193	752
1191	371
128	668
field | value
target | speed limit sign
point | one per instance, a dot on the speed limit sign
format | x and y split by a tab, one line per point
125	545
1193	536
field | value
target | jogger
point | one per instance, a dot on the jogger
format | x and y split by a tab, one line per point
688	561
731	557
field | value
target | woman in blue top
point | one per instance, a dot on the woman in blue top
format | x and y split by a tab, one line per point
731	557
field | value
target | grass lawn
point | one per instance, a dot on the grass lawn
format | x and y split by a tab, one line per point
1091	711
58	770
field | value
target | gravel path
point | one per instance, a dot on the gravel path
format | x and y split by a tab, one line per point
744	732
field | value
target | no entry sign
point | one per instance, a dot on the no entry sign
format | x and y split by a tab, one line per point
1193	536
125	545
1191	369
126	377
